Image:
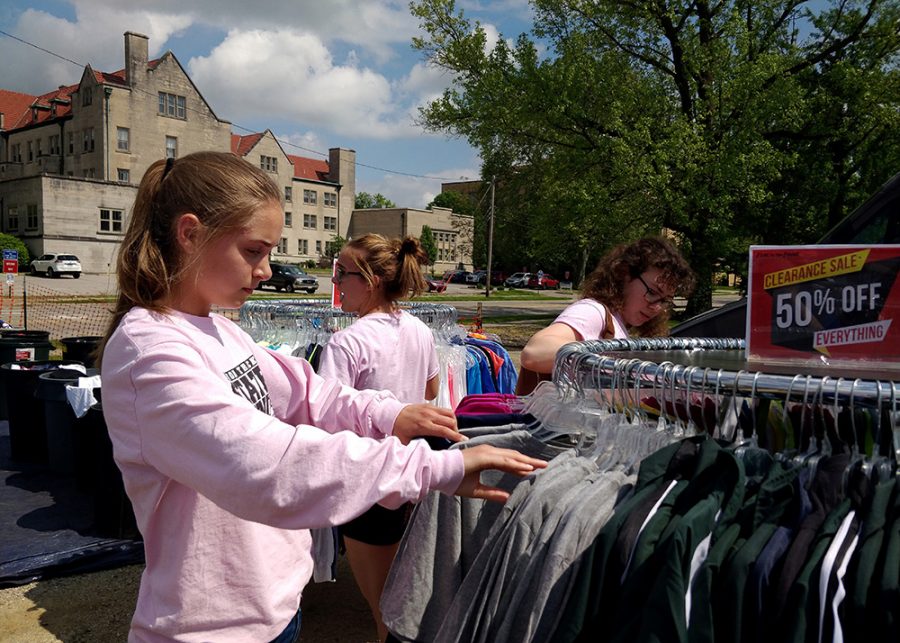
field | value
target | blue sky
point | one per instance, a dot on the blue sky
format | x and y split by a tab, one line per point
319	74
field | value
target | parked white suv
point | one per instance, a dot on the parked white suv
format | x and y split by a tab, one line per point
55	265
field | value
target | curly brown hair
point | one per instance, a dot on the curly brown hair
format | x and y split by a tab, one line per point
627	261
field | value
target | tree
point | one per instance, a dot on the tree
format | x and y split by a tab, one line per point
9	242
364	200
428	244
333	247
704	118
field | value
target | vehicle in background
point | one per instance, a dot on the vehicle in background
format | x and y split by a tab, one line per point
289	278
55	264
876	221
543	282
475	277
518	280
497	278
455	276
436	285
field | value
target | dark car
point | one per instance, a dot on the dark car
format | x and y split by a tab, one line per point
455	276
497	278
876	221
543	282
436	285
290	278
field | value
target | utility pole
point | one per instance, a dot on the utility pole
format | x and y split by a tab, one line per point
487	278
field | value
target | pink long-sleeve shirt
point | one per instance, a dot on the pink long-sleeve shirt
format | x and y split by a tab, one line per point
230	453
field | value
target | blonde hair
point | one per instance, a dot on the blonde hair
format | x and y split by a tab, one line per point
397	262
220	189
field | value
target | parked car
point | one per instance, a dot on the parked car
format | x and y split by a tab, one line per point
290	278
475	277
543	282
518	280
497	278
53	264
436	285
874	222
455	276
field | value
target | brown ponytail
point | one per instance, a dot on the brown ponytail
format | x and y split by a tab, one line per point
397	262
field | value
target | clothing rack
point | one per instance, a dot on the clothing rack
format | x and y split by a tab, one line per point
278	320
702	364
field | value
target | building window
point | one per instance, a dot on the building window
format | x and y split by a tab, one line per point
309	221
54	144
87	96
88	140
123	139
30	151
16	153
124	176
39	148
88	173
268	163
330	223
318	246
288	194
71	142
302	247
111	220
171	105
282	246
329	199
171	147
288	219
309	196
12	219
31	217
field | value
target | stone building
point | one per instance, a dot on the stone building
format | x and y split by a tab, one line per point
450	230
71	159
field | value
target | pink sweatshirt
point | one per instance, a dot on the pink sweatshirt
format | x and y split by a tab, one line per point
230	453
382	351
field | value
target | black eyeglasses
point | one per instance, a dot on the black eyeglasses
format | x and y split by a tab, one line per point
340	272
654	298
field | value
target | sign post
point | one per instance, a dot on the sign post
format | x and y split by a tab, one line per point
825	305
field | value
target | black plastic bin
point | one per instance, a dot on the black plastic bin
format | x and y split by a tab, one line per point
113	514
27	423
21	345
59	417
81	348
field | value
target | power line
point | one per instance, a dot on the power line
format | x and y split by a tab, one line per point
235	125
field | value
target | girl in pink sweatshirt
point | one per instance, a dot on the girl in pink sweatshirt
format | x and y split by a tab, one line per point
230	452
385	349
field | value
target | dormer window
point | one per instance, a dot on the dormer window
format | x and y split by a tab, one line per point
87	96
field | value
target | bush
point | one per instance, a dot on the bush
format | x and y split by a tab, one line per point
310	263
9	242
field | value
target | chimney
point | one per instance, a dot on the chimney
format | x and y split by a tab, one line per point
135	57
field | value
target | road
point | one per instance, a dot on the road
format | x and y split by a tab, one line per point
105	284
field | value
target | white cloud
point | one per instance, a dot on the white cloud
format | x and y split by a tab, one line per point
412	191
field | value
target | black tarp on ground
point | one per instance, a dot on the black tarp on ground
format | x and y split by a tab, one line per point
53	525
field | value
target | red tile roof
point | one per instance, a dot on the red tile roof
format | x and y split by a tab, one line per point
314	169
17	107
241	145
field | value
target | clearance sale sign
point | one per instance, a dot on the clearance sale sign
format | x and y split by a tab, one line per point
825	304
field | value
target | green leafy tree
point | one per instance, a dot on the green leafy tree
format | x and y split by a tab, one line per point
711	119
428	244
9	242
364	200
333	247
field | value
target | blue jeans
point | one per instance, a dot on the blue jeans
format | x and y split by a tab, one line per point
291	633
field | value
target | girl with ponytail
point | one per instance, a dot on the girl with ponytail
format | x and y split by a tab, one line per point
386	348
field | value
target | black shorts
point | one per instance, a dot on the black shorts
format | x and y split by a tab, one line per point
378	526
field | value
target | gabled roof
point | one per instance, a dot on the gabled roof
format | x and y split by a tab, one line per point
313	169
241	145
18	107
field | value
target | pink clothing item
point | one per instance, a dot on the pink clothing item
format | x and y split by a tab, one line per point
587	317
381	351
479	404
230	453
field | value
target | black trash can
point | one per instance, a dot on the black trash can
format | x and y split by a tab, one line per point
81	348
21	345
113	514
59	417
27	423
